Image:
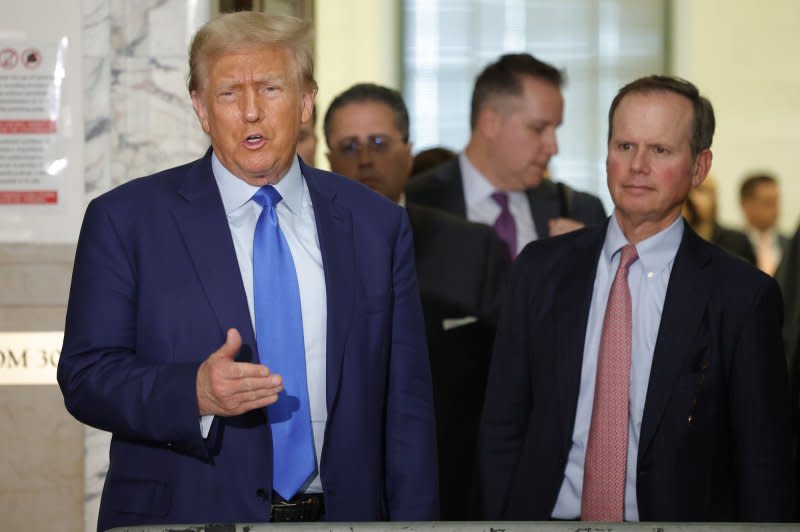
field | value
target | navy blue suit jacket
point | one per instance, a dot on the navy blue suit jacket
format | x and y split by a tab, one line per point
155	286
715	432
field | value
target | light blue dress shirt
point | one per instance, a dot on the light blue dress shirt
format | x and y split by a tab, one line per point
483	209
647	279
298	223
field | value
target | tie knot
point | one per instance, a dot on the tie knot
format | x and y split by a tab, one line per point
501	198
267	196
628	257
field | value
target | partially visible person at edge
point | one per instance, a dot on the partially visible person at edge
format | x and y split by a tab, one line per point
430	158
700	211
760	199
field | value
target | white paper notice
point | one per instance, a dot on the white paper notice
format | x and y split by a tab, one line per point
31	158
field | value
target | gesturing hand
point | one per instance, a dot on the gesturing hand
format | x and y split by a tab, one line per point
229	388
560	226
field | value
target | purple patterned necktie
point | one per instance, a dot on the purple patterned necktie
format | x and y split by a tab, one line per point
504	225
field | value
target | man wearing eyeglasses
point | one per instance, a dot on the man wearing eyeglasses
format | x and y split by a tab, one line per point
461	267
498	180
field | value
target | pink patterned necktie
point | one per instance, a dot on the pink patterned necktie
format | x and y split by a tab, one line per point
504	225
603	496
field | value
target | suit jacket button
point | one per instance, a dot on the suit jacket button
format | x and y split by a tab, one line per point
261	494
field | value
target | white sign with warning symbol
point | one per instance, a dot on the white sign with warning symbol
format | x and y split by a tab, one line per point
31	159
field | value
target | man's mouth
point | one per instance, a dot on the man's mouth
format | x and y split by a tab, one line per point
368	180
254	141
637	188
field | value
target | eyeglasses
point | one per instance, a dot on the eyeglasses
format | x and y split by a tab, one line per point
375	145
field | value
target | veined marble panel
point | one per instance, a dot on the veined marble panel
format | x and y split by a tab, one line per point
95	466
138	120
97	125
178	17
153	126
96	27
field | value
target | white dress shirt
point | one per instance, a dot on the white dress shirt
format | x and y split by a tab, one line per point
767	247
647	280
298	223
483	209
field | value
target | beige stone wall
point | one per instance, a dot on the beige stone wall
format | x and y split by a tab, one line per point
41	451
743	55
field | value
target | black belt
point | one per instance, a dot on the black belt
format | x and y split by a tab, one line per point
302	507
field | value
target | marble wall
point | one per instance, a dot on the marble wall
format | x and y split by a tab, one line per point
138	120
138	116
41	469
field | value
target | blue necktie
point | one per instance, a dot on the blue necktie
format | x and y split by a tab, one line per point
279	335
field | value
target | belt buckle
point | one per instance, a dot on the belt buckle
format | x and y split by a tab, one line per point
305	508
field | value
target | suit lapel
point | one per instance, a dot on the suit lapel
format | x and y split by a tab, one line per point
334	227
684	305
571	318
202	222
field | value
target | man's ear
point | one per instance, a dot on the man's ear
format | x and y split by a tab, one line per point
307	102
701	167
489	121
409	159
200	110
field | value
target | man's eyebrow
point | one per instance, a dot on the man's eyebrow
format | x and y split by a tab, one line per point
269	78
227	84
260	80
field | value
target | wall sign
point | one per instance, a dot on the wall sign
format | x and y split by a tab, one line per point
29	357
32	159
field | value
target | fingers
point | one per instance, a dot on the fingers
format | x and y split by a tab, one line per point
232	397
560	226
229	388
231	347
262	393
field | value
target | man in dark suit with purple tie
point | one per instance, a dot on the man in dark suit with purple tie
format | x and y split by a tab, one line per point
499	179
638	371
170	334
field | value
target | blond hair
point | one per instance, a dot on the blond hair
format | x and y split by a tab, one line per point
248	30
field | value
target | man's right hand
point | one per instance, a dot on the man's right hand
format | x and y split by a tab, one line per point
229	388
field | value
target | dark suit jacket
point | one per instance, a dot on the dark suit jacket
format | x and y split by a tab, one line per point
715	430
462	269
156	284
442	188
734	242
788	278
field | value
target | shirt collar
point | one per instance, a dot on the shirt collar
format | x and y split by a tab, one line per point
236	192
476	187
755	235
655	253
